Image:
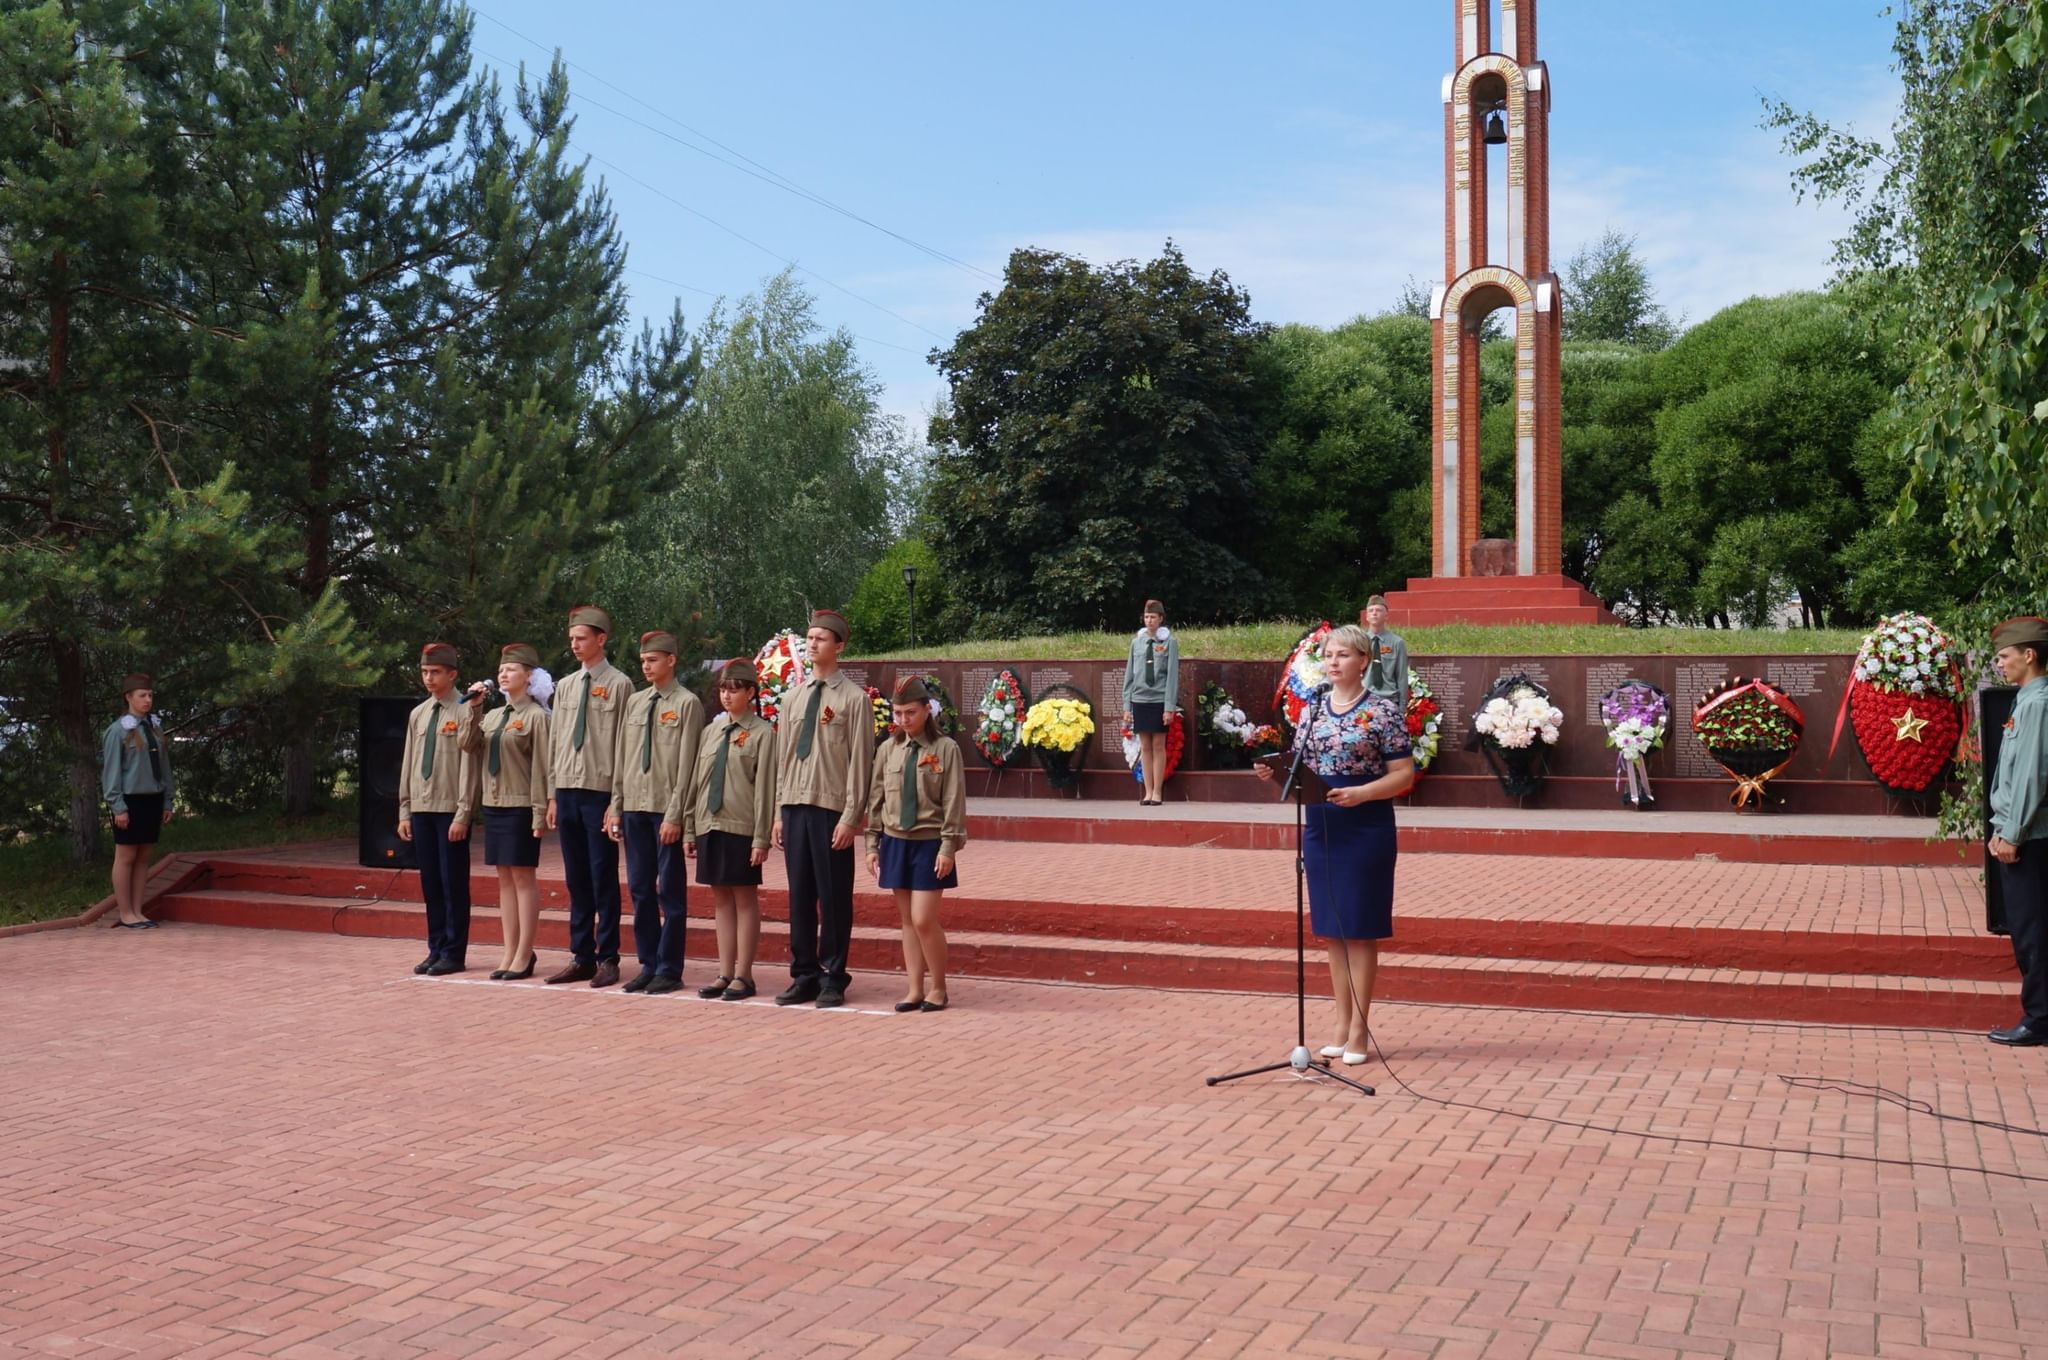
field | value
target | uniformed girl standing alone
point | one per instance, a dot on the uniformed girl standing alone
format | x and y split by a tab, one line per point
917	822
512	743
730	822
1152	696
135	779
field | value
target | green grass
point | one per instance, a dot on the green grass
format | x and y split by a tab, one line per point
1270	641
38	881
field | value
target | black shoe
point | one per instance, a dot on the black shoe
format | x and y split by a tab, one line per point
521	974
715	990
443	967
906	1007
2022	1035
829	997
742	989
639	983
500	974
661	986
423	965
931	1006
798	992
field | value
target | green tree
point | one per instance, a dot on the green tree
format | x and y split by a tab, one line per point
115	546
1764	408
1343	483
1608	296
780	484
1948	240
879	609
1099	446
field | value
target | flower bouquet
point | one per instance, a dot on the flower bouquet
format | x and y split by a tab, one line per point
1516	725
1751	728
782	662
1637	715
885	714
1176	743
1905	700
997	733
1231	737
1425	721
1300	676
1055	729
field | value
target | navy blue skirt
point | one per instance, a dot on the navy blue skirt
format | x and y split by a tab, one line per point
725	859
912	864
145	820
1349	854
1148	717
509	838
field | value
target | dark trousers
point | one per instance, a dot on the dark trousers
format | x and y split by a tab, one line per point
655	878
2026	912
444	883
820	896
590	868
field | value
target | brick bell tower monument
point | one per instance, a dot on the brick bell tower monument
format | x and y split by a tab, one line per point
1497	100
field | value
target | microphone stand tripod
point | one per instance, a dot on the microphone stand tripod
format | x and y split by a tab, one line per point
1302	1058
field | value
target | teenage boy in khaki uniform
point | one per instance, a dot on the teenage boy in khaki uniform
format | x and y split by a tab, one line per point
653	761
438	784
2018	837
588	706
825	746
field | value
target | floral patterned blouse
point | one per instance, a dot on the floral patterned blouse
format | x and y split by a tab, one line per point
1356	743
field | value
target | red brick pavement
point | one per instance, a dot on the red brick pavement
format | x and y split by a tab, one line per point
252	1143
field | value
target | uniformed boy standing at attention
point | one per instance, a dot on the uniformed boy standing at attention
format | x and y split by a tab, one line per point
589	703
2018	837
438	784
654	760
1386	670
825	746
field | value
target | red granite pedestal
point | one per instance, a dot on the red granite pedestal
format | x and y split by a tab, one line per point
1494	599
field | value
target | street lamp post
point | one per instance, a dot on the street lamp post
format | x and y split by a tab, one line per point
910	599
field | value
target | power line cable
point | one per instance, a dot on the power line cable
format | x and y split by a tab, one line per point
738	235
766	174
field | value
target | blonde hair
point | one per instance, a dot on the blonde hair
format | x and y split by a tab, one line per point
1352	636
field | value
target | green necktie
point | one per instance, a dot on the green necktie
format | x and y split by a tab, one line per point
907	817
1151	676
427	747
714	796
497	736
809	729
647	738
156	766
582	714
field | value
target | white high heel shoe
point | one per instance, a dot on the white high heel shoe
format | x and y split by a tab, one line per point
1331	1051
1353	1059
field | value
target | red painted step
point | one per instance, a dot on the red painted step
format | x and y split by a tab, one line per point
1448	979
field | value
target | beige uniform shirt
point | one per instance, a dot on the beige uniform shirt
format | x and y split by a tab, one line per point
521	780
941	792
660	731
835	774
606	689
453	783
748	806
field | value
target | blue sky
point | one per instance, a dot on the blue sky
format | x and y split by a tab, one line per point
1296	146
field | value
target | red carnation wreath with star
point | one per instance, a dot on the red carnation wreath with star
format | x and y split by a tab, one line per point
1905	703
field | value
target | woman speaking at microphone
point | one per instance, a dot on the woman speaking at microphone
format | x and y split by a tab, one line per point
1358	745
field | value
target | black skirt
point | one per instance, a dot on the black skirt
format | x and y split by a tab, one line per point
725	860
509	838
1148	717
145	820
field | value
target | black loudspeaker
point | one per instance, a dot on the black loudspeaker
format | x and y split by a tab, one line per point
380	749
1994	706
